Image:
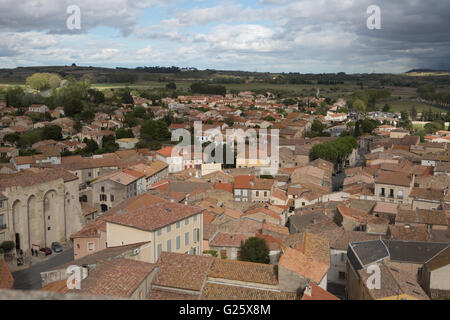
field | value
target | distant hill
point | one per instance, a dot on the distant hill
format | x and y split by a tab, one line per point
426	71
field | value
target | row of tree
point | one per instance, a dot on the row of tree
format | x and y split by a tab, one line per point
206	88
335	151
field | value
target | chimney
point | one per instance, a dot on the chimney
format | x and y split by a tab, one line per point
308	289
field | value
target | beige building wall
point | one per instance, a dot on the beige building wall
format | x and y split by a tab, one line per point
396	189
118	235
164	238
425	205
440	279
261	195
302	202
43	213
175	230
108	188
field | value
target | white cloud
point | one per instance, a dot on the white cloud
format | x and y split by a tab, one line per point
275	35
51	15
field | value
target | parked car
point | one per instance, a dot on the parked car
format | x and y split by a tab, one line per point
56	246
47	251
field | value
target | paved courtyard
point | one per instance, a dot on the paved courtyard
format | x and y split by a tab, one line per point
30	279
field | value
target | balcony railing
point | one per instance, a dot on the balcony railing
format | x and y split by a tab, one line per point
3	226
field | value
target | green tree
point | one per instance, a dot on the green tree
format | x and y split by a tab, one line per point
42	81
254	250
54	81
109	145
96	96
155	130
7	246
14	96
125	96
357	131
91	147
71	97
12	137
335	151
386	108
359	106
171	86
124	133
413	113
52	132
433	127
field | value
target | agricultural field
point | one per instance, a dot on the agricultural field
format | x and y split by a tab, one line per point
406	105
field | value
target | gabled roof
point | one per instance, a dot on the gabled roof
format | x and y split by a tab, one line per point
361	254
264	211
304	265
394	178
317	293
229	239
439	260
119	278
182	271
243	182
154	217
422	216
243	271
29	179
394	282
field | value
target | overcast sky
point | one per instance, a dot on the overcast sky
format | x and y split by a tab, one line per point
307	36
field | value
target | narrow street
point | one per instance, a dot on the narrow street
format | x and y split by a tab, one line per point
30	279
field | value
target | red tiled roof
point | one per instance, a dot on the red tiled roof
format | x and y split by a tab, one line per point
118	278
243	271
6	278
166	151
263	210
224	186
228	239
317	293
155	217
243	182
303	265
182	271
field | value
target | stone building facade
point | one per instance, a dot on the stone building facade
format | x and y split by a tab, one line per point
41	208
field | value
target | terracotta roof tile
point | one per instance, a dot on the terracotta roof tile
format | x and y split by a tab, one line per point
300	263
228	239
317	293
263	210
243	271
243	182
224	186
160	294
182	271
394	178
6	278
118	278
214	291
166	151
29	179
154	217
